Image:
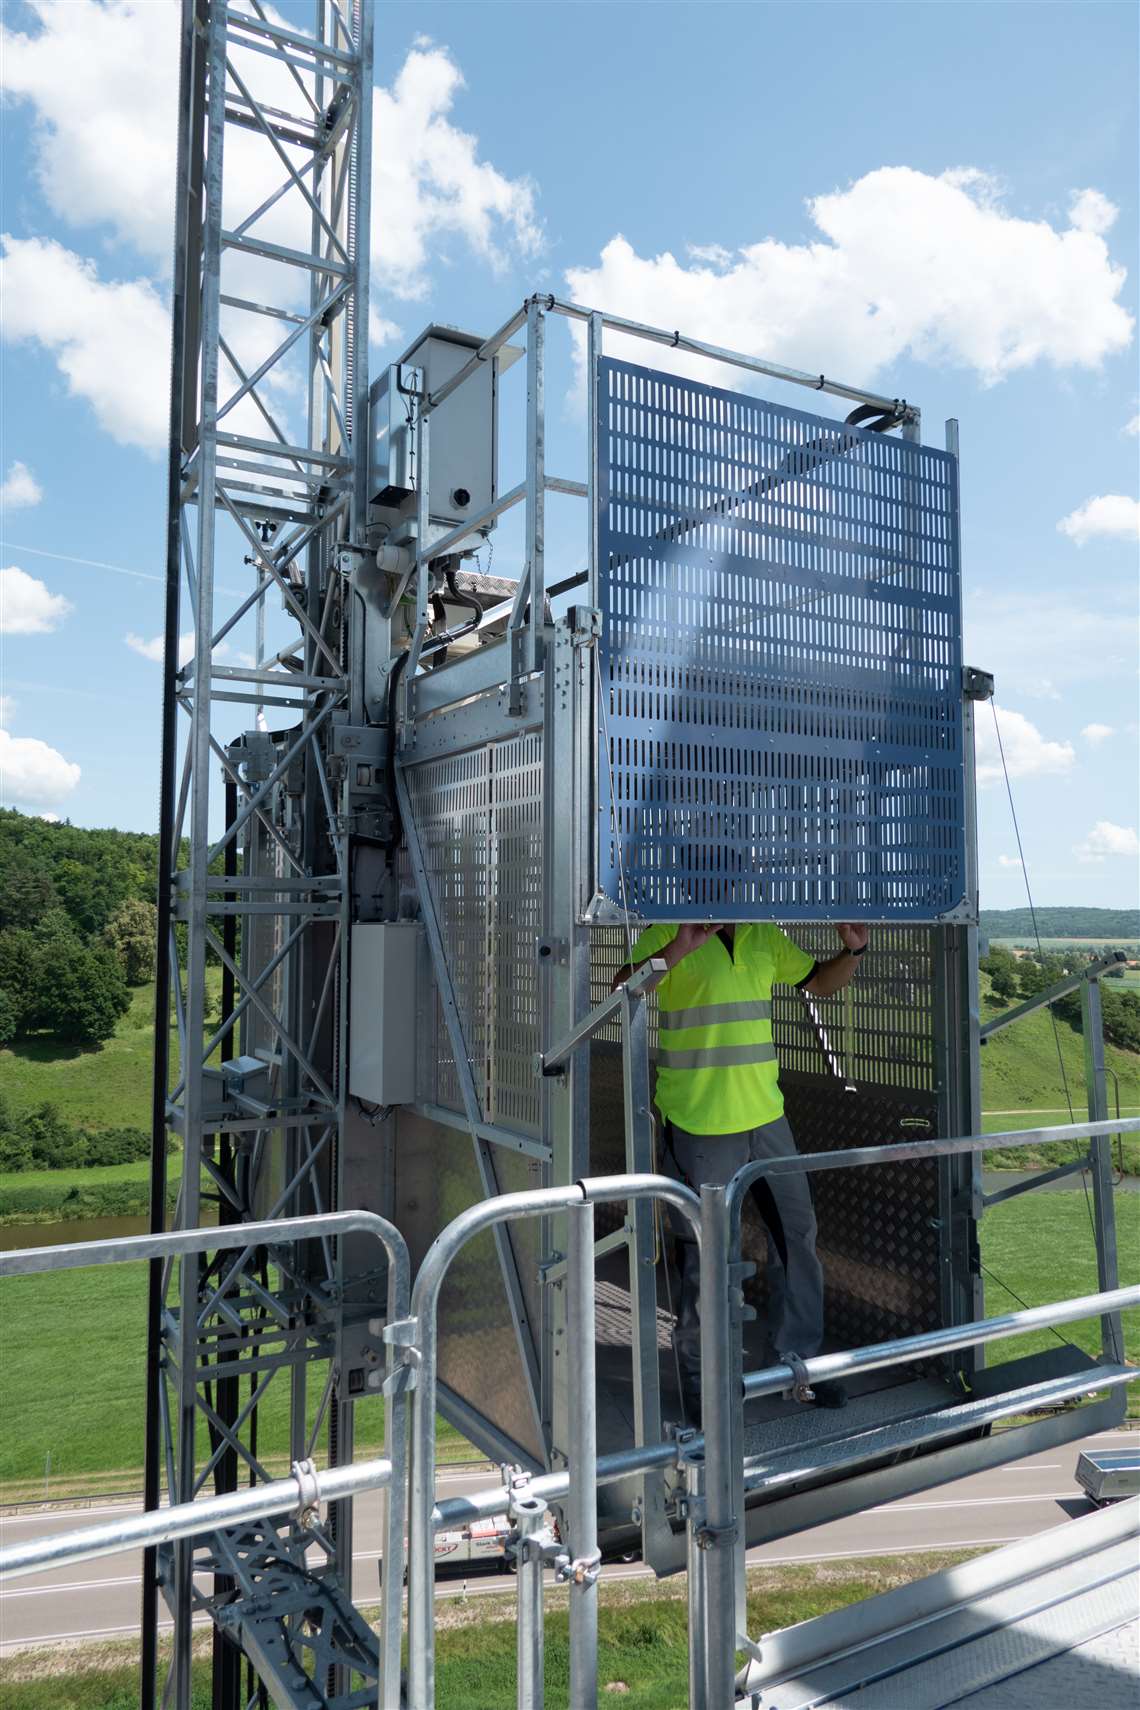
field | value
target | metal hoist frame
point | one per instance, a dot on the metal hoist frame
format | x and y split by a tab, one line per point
253	834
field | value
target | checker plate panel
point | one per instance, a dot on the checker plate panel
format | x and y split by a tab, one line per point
781	661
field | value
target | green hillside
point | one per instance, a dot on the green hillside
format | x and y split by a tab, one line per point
1022	1085
1065	923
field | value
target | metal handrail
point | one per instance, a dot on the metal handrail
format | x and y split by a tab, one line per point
879	1354
279	1231
911	1151
539	1202
299	1493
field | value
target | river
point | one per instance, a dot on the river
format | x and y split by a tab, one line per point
14	1235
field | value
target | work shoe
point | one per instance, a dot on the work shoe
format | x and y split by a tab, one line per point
829	1395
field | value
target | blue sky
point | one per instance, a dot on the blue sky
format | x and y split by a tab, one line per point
937	200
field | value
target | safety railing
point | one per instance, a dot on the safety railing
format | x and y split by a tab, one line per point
195	1517
708	1463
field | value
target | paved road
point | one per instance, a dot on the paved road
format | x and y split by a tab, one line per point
99	1599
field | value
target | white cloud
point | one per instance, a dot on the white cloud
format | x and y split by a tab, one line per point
49	818
1106	839
1095	734
105	157
105	135
7	708
428	182
904	263
1040	646
111	342
1112	516
151	648
106	139
32	773
1028	754
20	488
27	607
1090	211
1009	861
1132	427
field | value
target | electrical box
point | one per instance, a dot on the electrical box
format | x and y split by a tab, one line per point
392	453
382	1013
463	435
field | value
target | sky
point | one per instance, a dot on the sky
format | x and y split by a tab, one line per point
937	201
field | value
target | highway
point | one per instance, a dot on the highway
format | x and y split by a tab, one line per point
99	1599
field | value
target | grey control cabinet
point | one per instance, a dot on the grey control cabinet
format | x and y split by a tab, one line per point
382	1033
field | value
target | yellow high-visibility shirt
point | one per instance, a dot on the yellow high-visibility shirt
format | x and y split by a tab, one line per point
716	1065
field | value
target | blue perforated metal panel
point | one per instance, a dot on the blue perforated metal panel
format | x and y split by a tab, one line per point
781	729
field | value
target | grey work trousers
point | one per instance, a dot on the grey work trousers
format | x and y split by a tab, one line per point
795	1278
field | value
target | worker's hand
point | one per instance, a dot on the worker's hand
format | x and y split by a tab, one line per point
690	938
854	937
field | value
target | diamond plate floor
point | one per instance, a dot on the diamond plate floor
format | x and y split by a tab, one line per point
1104	1671
773	1427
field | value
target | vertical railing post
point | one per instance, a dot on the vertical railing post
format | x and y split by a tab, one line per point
694	1471
718	1536
535	480
1104	1211
582	1507
528	1513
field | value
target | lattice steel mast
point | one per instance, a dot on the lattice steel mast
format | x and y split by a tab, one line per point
253	833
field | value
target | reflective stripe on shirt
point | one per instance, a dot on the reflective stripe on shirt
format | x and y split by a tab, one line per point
717	1056
711	1014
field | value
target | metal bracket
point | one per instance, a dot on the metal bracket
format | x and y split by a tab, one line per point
977	685
402	1333
584	624
709	1536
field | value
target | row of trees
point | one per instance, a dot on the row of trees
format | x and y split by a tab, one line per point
1015	978
41	1140
77	927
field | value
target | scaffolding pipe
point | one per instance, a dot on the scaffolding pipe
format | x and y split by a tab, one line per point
716	1537
826	1367
582	1509
298	1493
540	1202
279	1231
529	1514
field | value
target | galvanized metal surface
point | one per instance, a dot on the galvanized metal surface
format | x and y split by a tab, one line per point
781	661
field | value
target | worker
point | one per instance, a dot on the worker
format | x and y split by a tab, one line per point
718	1092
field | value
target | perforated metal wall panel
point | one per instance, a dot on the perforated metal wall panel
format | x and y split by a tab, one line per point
780	659
480	820
436	1179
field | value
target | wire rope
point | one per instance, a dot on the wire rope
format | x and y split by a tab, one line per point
1032	909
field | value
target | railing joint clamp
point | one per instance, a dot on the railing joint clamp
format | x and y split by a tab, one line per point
584	1570
308	1510
801	1389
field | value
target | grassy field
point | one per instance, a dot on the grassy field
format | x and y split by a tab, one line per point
105	1086
642	1641
1040	1247
60	1196
72	1349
